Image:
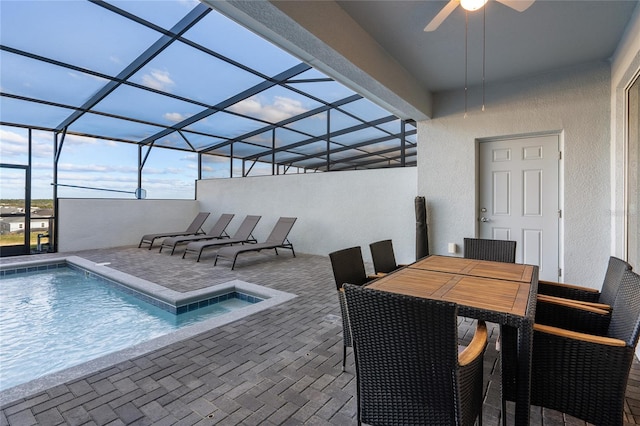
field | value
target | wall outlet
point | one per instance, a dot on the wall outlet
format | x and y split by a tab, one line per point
452	248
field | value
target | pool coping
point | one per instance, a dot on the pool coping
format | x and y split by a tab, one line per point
271	298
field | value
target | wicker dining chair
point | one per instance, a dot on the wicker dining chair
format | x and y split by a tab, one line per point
581	374
615	270
485	249
384	259
348	267
408	367
580	308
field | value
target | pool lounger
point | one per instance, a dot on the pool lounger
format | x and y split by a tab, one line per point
242	235
218	231
277	239
194	229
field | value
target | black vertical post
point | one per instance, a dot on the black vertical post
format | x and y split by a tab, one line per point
139	166
27	199
403	143
328	139
273	151
231	160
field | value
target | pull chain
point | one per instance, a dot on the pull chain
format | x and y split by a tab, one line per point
466	59
484	45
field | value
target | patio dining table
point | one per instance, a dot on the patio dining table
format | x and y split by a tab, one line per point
504	293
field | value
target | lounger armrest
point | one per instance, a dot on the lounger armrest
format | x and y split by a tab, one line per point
476	347
590	338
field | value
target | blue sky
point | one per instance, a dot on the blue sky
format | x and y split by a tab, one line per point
101	44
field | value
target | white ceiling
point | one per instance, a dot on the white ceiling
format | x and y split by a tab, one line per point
379	49
550	35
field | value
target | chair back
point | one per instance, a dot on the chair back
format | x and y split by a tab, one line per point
221	224
612	279
348	267
383	258
485	249
625	315
281	230
246	228
406	357
197	223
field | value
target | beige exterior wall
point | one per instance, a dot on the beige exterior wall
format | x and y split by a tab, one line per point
334	210
93	223
573	102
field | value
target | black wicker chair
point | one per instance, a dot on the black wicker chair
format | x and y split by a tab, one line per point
607	295
585	375
578	308
484	249
348	267
409	370
384	260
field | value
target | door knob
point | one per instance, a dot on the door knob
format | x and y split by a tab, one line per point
484	219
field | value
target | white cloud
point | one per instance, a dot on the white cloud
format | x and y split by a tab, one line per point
214	159
6	135
280	109
158	79
13	144
96	168
78	140
175	117
189	3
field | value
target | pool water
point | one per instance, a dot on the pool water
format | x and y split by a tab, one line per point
60	318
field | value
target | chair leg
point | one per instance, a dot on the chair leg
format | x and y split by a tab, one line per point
504	412
344	357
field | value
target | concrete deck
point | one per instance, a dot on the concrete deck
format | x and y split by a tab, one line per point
281	366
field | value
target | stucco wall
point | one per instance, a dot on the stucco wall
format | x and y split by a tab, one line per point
334	210
625	66
573	102
86	224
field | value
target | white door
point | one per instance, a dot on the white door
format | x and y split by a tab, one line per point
519	198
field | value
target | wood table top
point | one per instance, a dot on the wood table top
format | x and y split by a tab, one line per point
479	268
490	288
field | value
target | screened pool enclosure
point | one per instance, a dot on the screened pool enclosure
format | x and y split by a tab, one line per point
141	98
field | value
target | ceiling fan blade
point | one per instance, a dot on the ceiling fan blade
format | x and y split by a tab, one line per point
519	5
442	15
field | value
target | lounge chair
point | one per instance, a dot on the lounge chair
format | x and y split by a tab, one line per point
277	239
194	229
242	235
216	232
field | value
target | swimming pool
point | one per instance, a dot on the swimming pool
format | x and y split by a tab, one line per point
73	310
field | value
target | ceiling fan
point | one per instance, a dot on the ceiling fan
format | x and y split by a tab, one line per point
471	5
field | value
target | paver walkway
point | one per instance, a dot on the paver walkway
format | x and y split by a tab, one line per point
281	366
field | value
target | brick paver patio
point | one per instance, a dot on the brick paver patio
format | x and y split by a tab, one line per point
281	366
